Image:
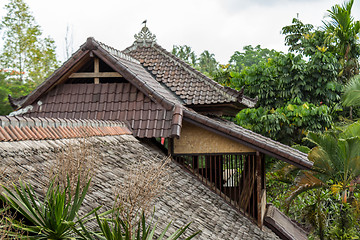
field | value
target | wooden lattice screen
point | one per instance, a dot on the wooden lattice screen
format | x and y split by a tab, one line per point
237	178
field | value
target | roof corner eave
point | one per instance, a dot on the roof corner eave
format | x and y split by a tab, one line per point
55	77
176	123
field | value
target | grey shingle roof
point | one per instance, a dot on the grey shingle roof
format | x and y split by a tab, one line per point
186	199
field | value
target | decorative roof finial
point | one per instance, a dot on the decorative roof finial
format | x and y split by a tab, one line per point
145	36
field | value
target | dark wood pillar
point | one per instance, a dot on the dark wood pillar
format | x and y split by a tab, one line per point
258	187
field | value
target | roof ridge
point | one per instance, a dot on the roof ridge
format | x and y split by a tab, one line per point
177	61
117	53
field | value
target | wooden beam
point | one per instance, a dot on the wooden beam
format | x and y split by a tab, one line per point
258	188
96	70
95	75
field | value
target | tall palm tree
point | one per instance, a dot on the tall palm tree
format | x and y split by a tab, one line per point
207	63
343	30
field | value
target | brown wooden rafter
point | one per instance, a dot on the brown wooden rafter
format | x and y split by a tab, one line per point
96	74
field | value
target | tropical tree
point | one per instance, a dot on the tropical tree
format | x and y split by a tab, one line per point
351	95
185	53
343	32
207	63
250	56
336	170
295	34
24	50
288	76
288	124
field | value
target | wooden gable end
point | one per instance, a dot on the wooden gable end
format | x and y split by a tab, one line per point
95	71
93	90
197	140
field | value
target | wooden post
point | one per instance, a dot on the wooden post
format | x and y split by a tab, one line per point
96	70
258	188
170	146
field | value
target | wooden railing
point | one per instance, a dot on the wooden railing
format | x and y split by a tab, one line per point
237	178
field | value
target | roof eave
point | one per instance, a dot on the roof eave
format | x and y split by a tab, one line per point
204	122
55	77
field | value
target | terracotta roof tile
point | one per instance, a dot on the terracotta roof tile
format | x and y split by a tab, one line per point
2	137
176	74
116	107
23	128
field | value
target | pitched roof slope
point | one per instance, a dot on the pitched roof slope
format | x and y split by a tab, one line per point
151	109
191	86
23	128
186	199
109	101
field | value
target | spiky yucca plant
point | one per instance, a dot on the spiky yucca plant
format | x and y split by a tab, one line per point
117	228
53	217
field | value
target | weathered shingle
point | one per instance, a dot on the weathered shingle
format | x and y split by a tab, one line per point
185	200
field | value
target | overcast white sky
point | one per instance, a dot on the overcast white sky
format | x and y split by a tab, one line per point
220	26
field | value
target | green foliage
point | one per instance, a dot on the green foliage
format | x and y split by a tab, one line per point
336	167
342	31
351	95
207	63
337	156
24	50
295	35
5	107
13	87
305	39
50	218
288	124
288	76
118	229
250	56
223	75
344	226
185	53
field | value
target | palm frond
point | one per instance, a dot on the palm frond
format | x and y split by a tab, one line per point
351	95
303	183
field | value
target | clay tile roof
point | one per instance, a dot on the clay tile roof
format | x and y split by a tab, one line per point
188	84
19	129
